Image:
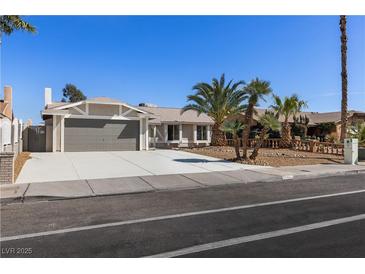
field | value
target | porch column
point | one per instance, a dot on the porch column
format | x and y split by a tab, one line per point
62	131
147	139
180	133
194	134
154	136
140	134
165	132
54	133
209	137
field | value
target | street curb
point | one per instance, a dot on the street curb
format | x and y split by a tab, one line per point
285	178
321	175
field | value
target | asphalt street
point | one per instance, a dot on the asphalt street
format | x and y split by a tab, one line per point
322	217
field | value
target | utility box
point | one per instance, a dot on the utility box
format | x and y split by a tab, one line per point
351	151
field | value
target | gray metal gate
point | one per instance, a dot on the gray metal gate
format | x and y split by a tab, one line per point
36	138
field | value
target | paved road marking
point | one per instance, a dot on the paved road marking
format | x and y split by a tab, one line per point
256	237
173	216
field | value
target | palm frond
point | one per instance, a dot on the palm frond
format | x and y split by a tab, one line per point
232	126
269	121
217	100
9	23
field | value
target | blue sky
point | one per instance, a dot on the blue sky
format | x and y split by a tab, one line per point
158	59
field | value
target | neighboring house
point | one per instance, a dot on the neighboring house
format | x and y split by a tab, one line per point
5	132
171	128
10	127
316	120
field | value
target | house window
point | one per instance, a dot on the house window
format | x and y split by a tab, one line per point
173	132
201	133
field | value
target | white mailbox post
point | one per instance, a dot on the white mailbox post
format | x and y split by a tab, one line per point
351	151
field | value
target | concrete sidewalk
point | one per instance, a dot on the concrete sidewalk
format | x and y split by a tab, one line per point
137	184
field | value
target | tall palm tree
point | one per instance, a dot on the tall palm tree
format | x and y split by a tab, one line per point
343	76
267	121
219	101
256	90
234	127
289	107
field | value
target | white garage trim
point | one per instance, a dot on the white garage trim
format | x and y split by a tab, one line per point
97	117
79	110
58	128
100	135
99	103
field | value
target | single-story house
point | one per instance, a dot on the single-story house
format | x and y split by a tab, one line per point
315	120
105	124
102	124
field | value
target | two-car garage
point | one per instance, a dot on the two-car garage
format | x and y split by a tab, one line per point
101	135
98	124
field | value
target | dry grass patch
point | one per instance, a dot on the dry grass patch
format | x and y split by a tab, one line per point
19	163
271	157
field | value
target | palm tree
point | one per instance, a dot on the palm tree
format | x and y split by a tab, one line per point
289	107
9	23
256	90
219	101
302	122
267	121
357	131
343	76
234	127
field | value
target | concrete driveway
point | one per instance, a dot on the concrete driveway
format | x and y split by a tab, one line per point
46	167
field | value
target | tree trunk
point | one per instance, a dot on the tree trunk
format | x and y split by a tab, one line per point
343	76
258	145
305	131
218	137
246	130
286	135
237	146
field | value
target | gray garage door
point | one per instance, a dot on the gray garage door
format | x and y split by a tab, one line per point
101	135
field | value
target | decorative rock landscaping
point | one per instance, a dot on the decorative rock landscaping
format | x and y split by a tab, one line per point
271	157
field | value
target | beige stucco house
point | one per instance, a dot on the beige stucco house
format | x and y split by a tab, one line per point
102	124
94	125
316	119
